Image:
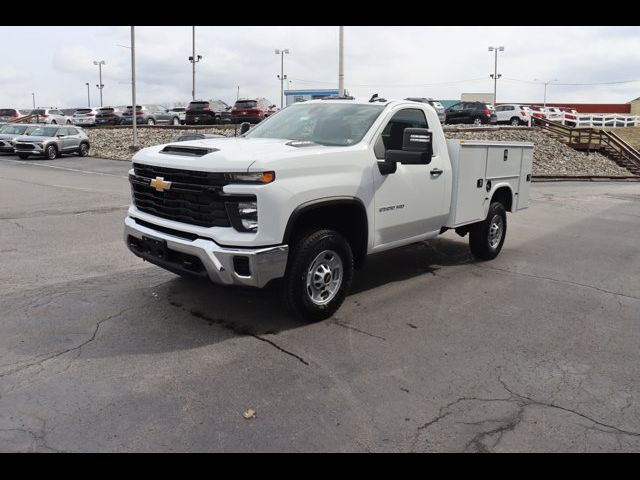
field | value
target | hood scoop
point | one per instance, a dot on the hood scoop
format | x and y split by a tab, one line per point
187	151
301	143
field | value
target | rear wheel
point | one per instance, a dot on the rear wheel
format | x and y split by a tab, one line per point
83	150
477	121
175	121
318	276
515	122
53	122
487	237
151	121
68	122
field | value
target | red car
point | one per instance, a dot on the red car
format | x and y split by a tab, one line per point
251	110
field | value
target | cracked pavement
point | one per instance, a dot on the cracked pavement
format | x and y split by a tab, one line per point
534	351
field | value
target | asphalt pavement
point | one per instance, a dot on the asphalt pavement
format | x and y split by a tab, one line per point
537	350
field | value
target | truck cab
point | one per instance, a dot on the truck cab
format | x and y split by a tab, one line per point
309	193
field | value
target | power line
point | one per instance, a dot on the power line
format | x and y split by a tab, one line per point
572	84
298	80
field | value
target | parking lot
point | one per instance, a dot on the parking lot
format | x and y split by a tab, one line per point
537	350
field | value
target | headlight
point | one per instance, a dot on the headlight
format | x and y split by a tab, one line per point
253	177
243	214
248	212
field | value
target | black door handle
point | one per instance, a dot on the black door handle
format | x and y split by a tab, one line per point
436	171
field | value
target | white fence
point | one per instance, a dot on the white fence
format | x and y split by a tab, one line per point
595	119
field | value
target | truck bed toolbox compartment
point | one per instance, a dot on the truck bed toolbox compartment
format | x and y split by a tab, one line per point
481	167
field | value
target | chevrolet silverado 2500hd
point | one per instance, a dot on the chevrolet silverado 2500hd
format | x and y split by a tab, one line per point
310	192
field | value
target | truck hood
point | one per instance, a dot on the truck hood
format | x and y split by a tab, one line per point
232	154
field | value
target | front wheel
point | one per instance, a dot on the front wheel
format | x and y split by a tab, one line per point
487	237
319	273
175	121
477	121
51	152
151	121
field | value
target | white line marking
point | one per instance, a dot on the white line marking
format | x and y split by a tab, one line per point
62	168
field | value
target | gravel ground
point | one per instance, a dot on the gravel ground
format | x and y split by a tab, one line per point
114	142
550	157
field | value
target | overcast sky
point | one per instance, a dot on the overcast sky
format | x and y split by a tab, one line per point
395	62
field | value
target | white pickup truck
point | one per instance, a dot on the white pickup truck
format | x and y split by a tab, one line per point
309	193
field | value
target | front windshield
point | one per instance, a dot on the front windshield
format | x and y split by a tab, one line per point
43	131
13	129
327	124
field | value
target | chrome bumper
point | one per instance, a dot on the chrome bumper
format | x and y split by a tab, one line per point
265	264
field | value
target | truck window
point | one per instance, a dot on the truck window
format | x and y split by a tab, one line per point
393	132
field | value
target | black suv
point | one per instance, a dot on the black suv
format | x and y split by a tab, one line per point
476	113
203	112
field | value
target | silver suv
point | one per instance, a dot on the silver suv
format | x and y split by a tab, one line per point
8	133
52	141
49	115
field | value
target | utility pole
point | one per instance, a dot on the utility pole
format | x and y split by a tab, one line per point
33	97
194	59
282	76
545	88
341	62
495	75
100	86
133	86
88	95
238	95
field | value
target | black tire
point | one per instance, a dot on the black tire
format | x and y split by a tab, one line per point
68	122
53	122
305	253
51	152
83	149
477	121
515	122
151	121
175	121
482	235
23	156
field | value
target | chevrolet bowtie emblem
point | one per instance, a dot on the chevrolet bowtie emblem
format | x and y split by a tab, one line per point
159	184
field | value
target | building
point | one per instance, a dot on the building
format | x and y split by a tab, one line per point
634	106
477	97
294	96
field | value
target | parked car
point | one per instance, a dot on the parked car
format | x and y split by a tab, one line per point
11	131
150	115
109	115
476	113
208	112
251	110
513	114
69	111
85	117
9	114
440	110
50	115
537	111
185	137
51	141
182	112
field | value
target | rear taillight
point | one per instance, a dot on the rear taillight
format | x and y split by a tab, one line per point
523	113
206	109
45	115
139	112
91	114
486	112
15	115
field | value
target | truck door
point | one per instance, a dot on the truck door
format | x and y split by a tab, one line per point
409	202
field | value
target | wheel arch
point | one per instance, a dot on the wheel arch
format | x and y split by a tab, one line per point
346	215
504	194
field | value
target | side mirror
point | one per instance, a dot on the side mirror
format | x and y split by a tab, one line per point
417	148
244	127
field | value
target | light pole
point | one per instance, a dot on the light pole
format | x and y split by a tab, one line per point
100	86
545	88
133	87
88	95
194	59
495	75
33	97
282	76
341	63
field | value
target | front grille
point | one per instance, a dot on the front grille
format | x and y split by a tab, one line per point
25	146
194	197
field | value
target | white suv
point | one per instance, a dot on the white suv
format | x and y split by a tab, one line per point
513	114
